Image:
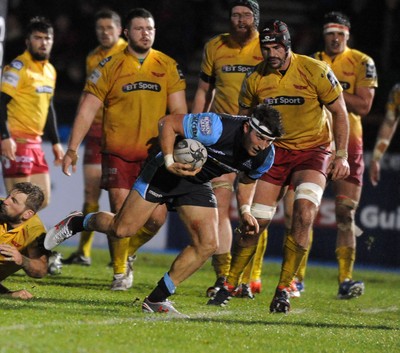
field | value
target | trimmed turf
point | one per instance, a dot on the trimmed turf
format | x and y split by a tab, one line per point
76	312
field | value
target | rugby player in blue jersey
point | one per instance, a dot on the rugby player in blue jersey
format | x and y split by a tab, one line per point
234	144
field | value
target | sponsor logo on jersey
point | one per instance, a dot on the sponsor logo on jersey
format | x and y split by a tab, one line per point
17	65
44	89
151	192
248	164
141	86
345	85
237	68
11	78
193	125
95	75
205	125
284	100
105	61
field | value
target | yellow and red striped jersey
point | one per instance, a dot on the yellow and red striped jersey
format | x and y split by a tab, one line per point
226	63
353	69
299	95
93	59
20	237
135	97
31	84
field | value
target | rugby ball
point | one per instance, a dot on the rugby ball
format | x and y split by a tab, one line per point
190	151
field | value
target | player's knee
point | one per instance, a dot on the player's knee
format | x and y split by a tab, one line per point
207	249
119	230
345	213
303	218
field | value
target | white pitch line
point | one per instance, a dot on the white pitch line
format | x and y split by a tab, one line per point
380	310
146	317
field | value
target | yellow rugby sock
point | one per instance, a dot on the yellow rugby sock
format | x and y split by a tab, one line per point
247	272
119	253
86	239
142	236
292	256
253	270
258	259
240	258
221	264
301	272
346	257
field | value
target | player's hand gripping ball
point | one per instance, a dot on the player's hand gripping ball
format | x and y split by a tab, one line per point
190	151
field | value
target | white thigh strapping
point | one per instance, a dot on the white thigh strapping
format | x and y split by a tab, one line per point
309	191
261	211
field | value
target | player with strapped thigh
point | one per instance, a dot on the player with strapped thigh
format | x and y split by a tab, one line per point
357	74
385	133
27	111
234	144
136	86
108	30
297	86
226	59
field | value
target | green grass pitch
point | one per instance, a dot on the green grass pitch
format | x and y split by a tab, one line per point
77	312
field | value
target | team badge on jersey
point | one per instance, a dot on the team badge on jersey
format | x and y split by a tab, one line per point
105	61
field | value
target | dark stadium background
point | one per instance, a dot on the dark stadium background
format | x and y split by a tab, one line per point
183	26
